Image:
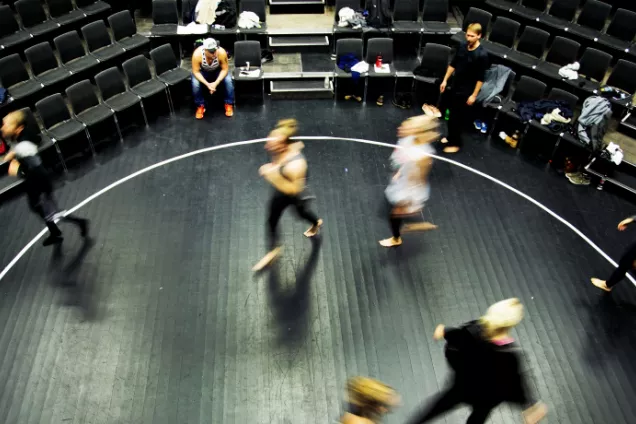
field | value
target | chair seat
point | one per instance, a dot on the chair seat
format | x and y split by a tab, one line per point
237	76
436	27
554	22
24	89
95	114
174	76
108	52
14	39
495	48
522	59
133	42
53	76
374	74
584	32
43	28
70	18
501	4
540	126
549	69
344	30
164	30
585	85
148	88
526	12
65	129
95	8
614	43
81	64
261	30
406	26
341	73
225	31
122	101
574	140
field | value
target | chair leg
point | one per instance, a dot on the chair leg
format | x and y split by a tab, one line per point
170	106
90	140
143	111
59	154
366	87
263	89
121	138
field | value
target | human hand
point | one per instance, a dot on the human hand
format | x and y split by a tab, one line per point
442	87
624	223
439	332
471	100
212	88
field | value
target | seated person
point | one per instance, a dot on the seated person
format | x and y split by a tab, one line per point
210	68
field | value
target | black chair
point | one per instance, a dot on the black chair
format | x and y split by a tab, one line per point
165	17
344	46
248	52
140	79
257	7
434	17
594	65
114	93
405	17
59	126
528	90
530	48
44	65
87	108
591	20
92	7
72	53
530	9
167	68
502	5
99	43
15	78
562	52
560	14
380	47
621	31
474	15
432	68
623	76
125	31
34	18
10	33
502	37
64	12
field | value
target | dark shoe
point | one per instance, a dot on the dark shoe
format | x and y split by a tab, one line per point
52	240
83	226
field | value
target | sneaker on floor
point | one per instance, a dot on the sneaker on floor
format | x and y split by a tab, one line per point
478	125
229	110
578	179
484	128
200	112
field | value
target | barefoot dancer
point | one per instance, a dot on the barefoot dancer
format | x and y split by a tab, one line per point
409	188
368	401
627	262
287	173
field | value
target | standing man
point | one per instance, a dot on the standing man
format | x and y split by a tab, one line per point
27	164
469	66
626	262
209	69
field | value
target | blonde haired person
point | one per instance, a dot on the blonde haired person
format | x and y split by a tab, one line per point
368	401
287	173
487	367
409	188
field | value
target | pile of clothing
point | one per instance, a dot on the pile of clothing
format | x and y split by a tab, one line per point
249	20
349	18
571	71
350	63
592	124
209	12
554	114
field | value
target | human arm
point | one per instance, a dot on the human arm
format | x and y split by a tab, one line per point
449	72
482	66
295	172
196	69
8	157
225	67
624	223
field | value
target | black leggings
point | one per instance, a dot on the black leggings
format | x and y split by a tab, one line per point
624	264
41	201
277	205
449	400
396	224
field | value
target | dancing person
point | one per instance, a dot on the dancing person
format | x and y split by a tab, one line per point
25	162
287	173
627	262
469	68
409	188
487	367
209	69
368	401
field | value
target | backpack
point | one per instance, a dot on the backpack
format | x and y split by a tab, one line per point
379	15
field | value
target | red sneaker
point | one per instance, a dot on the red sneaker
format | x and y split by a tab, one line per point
229	110
200	112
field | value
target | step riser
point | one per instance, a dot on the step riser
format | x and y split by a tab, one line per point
301	49
301	89
296	9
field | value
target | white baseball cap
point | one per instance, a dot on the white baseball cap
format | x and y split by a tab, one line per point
210	44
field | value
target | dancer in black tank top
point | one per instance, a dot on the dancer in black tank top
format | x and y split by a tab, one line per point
287	173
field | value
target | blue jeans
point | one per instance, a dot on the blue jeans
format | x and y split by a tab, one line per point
199	90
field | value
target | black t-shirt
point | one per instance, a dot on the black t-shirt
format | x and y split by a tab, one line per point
470	67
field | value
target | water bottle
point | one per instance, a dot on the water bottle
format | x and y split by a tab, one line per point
447	115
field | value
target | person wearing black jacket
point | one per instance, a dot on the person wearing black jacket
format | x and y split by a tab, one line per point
25	162
487	367
626	262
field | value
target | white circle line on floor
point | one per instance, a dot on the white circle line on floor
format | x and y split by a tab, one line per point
355	140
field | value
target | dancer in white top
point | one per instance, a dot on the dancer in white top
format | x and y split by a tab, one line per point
409	188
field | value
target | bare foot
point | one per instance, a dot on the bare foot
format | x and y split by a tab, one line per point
420	226
601	284
444	140
451	149
391	242
267	260
313	230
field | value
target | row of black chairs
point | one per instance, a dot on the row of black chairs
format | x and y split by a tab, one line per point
74	59
35	23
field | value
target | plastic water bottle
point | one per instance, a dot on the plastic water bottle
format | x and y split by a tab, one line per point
447	115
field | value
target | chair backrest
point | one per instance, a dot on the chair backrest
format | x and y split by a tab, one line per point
505	93
31	12
594	14
258	7
96	35
31	130
8	23
533	41
563	51
435	58
535	4
122	25
352	46
69	46
59	7
528	90
110	83
475	15
165	12
622	76
82	96
164	59
41	58
247	51
406	10
623	25
380	47
83	3
564	9
435	11
504	31
138	71
594	63
563	96
12	70
52	110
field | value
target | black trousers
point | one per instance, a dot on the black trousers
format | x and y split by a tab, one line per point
460	119
277	206
624	264
451	398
